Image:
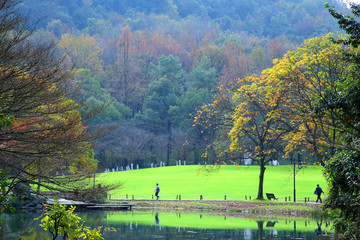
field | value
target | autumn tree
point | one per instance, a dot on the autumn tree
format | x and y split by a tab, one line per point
46	136
242	122
277	48
278	112
82	51
128	74
307	75
255	131
238	63
213	121
160	43
125	67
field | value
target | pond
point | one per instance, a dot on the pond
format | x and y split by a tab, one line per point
168	225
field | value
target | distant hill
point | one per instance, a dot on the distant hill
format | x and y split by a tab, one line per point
154	63
264	18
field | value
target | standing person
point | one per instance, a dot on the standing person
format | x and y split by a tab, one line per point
318	192
157	190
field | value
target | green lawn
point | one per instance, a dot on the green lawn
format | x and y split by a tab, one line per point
234	182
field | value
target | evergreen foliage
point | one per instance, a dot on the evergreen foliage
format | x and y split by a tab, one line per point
343	170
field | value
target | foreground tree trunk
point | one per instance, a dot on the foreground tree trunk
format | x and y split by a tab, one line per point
261	181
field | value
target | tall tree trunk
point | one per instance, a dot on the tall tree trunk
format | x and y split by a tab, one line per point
102	156
168	152
261	181
168	143
196	155
39	180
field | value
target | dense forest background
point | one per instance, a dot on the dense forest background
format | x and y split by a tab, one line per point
149	65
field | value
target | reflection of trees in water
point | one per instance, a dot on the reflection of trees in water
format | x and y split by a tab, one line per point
321	230
157	219
260	229
93	217
17	225
270	232
265	229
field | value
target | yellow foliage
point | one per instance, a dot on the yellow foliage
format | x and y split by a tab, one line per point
83	51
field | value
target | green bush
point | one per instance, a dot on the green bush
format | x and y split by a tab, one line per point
61	222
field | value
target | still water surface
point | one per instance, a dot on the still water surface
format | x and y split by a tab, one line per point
164	225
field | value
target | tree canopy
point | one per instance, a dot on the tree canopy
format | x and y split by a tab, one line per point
279	113
42	135
121	49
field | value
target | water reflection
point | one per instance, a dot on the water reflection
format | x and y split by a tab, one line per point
157	219
164	225
321	231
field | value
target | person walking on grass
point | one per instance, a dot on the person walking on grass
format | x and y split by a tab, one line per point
157	190
318	192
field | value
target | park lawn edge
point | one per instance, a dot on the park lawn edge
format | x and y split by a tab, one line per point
230	182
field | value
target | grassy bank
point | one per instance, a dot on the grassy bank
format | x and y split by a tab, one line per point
234	182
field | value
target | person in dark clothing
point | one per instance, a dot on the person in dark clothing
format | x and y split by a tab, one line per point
157	190
318	192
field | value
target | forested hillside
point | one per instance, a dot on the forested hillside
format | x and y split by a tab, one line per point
149	65
264	18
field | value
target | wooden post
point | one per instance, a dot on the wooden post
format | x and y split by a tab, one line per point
245	197
201	197
305	199
225	198
179	197
285	199
289	199
249	197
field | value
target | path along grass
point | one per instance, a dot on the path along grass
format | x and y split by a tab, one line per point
234	182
